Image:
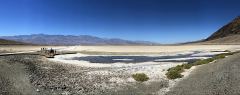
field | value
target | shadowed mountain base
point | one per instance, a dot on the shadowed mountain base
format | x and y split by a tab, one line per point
229	40
9	42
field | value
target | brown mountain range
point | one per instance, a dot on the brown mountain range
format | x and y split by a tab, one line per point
228	34
9	42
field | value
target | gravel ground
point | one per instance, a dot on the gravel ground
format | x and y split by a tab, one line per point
218	78
35	75
13	80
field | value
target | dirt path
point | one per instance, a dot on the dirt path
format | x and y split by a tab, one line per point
3	54
14	80
219	78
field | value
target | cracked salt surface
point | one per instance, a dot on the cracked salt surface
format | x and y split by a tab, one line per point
120	68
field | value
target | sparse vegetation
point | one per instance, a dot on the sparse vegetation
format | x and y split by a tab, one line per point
220	56
177	68
175	72
187	66
227	51
141	77
203	61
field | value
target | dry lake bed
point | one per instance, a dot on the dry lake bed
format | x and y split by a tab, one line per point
105	70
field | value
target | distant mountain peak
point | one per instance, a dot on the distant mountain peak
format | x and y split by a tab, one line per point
237	18
45	39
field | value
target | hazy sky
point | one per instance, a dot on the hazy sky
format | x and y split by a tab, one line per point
164	21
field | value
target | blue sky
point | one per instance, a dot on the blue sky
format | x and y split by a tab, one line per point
163	21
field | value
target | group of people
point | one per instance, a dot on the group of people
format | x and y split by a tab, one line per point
48	52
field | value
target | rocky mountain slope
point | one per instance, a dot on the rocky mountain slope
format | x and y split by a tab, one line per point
43	39
228	34
9	42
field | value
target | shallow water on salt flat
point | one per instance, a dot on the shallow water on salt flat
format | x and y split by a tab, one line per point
139	59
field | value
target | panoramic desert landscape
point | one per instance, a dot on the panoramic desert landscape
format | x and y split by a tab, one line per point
119	47
98	69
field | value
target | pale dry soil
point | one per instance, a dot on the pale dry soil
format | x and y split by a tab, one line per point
121	49
218	78
35	75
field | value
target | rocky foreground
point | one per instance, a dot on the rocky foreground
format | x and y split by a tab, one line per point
218	78
35	75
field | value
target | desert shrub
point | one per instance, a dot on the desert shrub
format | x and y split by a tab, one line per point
227	51
204	61
178	68
173	74
141	77
187	66
219	56
208	60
